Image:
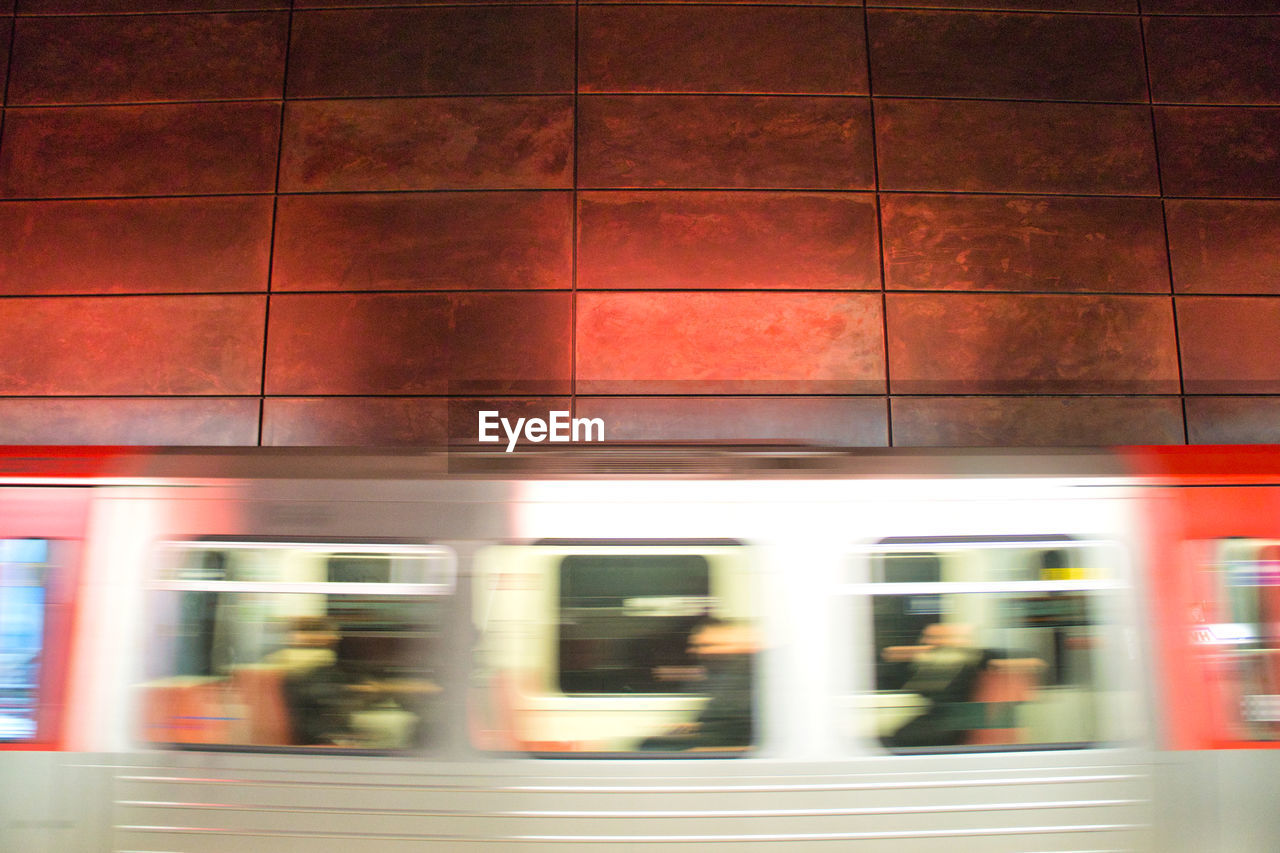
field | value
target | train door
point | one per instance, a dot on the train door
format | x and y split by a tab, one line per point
993	692
1214	519
42	531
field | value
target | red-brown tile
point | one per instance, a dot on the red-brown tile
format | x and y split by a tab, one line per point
6	30
1216	7
1027	243
428	143
1224	246
356	4
1233	420
1214	60
82	60
138	345
1017	5
1229	344
345	344
953	343
752	49
168	149
54	7
724	141
418	343
985	55
856	3
459	51
163	421
427	241
978	146
1035	421
1219	151
674	240
192	245
391	421
464	417
354	421
707	343
511	343
832	421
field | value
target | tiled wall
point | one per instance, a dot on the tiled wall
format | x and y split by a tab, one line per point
909	223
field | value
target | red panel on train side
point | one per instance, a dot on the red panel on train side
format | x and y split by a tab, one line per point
1207	464
57	463
42	532
1211	512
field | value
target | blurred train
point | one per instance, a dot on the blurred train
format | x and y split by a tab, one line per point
499	641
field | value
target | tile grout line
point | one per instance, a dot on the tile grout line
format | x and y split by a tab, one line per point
271	244
1164	222
884	284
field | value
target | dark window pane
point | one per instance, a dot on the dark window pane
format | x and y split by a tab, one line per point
625	620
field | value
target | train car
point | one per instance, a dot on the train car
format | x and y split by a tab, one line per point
669	650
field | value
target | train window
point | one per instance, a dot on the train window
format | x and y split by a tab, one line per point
296	645
981	645
1238	635
24	578
625	620
615	648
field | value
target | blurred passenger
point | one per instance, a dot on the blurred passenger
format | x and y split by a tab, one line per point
316	689
726	651
946	668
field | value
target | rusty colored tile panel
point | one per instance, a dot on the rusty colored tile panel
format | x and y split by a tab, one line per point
1219	151
428	143
461	50
134	345
1224	246
300	5
674	240
985	55
746	49
996	146
132	58
1017	5
159	245
956	343
1035	421
1233	420
511	343
830	421
855	3
160	149
1229	344
1214	60
354	421
715	343
387	344
89	7
1026	243
424	241
464	417
1215	7
391	421
6	30
165	421
725	141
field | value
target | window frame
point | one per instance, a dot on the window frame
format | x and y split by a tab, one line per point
441	583
858	588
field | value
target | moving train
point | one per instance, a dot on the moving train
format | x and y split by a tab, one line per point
214	650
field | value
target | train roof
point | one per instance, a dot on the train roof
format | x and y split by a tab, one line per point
106	464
